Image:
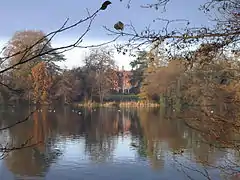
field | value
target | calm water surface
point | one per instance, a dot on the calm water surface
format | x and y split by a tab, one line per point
107	144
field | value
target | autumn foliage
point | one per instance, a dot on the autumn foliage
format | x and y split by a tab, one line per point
42	83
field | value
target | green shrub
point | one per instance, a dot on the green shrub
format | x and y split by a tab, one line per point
122	98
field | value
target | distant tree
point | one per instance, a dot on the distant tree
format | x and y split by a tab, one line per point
42	82
100	61
84	83
26	45
138	66
63	88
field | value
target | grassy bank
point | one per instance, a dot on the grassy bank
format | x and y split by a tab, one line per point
122	98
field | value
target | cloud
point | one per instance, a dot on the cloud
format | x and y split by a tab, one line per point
75	56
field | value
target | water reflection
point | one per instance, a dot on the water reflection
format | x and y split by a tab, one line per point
108	144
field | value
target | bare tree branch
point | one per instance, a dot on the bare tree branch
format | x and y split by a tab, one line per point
18	122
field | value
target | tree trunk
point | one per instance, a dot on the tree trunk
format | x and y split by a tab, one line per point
65	98
101	96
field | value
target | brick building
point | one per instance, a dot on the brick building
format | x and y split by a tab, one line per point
123	84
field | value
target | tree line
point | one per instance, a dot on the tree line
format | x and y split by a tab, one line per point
154	74
210	76
42	81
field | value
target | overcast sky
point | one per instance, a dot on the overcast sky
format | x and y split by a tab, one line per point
48	15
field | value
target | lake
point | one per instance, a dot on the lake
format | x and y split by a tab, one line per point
107	144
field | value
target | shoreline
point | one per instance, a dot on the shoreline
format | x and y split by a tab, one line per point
119	104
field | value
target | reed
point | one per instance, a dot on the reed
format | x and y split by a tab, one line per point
138	104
